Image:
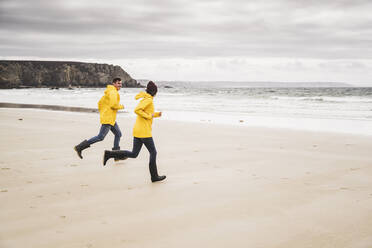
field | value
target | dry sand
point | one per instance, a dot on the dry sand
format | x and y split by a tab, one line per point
226	186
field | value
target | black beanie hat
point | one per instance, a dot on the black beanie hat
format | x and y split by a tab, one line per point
151	88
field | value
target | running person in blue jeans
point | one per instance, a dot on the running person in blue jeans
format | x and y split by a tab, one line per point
108	106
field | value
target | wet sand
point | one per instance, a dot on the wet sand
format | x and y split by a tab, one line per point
47	107
226	186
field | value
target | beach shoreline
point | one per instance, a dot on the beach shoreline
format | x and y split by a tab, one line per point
47	107
322	125
336	110
226	186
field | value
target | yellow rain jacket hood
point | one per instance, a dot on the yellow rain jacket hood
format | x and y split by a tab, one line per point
144	111
108	105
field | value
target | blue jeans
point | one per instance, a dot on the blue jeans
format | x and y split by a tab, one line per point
103	132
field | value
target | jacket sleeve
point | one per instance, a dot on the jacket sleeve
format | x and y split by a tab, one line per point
114	103
157	114
139	110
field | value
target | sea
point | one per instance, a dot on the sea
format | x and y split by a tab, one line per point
320	108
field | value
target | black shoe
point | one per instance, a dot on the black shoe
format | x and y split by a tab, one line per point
158	178
106	156
113	154
79	148
118	159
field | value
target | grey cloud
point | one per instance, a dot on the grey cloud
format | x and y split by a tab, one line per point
112	29
347	66
357	65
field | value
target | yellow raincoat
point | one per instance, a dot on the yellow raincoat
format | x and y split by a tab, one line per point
108	105
144	111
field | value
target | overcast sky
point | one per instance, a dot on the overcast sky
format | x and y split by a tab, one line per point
237	40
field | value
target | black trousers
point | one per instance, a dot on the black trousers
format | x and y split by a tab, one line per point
137	145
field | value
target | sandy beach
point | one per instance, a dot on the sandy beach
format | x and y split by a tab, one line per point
226	186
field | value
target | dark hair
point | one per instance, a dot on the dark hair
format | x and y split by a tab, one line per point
116	80
151	88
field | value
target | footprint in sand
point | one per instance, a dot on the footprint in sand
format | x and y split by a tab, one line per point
5	168
84	185
39	196
344	188
62	217
4	191
73	165
127	241
354	169
315	146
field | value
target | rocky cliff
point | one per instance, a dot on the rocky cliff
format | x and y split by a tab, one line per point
18	74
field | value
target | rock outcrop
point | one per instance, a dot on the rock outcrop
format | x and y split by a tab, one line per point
18	74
